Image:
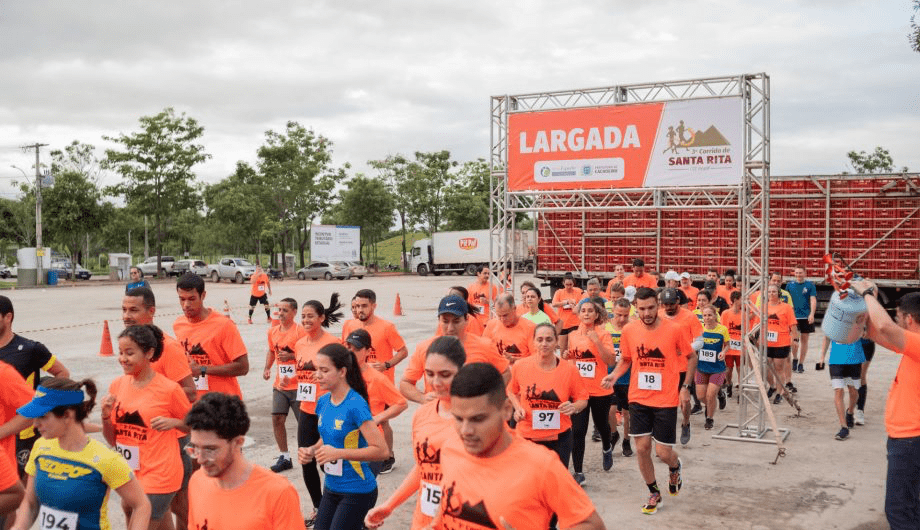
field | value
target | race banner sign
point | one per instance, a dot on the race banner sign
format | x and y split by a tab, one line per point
680	143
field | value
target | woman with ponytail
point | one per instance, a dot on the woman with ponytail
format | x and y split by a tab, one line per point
141	415
314	317
349	440
76	499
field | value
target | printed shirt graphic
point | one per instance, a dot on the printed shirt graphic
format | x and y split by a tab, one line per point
385	340
214	341
478	350
259	285
584	356
270	501
481	295
14	393
525	485
338	427
541	390
567	314
713	341
515	342
901	417
615	339
780	317
801	295
281	340
305	350
77	481
732	321
172	362
380	391
429	432
153	455
656	361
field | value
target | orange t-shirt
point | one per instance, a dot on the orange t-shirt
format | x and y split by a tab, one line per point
429	432
214	341
478	350
385	340
692	328
585	358
512	343
281	340
481	295
779	319
259	284
172	362
380	391
9	473
570	300
902	419
270	500
647	280
14	393
308	390
725	293
656	361
610	285
690	292
542	391
153	455
732	321
524	484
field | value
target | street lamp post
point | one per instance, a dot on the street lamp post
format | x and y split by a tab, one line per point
39	249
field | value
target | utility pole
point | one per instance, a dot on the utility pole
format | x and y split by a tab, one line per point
39	249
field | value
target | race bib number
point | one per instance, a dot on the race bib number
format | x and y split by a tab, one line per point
53	519
430	498
333	468
201	382
306	392
734	345
287	370
708	356
131	454
772	336
261	288
587	369
545	419
650	381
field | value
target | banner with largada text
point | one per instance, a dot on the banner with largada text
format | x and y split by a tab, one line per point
680	143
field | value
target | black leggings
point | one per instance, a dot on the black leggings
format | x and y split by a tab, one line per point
307	435
561	445
599	407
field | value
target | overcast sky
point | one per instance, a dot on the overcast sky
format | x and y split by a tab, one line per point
381	78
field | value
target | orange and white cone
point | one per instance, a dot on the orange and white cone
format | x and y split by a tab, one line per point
397	309
105	349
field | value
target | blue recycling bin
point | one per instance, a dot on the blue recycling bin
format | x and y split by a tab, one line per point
52	277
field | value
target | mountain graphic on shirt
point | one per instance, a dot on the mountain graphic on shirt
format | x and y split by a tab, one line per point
475	513
129	418
286	349
582	354
773	316
546	395
425	456
306	367
643	353
196	351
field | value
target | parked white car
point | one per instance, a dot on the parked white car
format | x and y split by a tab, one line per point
234	269
148	267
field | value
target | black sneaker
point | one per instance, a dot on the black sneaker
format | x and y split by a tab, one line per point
790	387
770	392
795	365
728	390
387	465
697	409
777	399
849	420
579	478
709	424
843	434
722	399
595	436
282	464
627	448
685	434
608	459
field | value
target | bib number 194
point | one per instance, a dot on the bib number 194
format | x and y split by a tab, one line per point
53	519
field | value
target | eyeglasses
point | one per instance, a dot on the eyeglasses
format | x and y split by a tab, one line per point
208	453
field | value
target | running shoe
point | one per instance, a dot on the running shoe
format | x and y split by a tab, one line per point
595	436
801	369
675	481
697	409
608	459
309	523
627	448
250	321
654	501
790	387
387	465
850	421
722	399
770	392
685	434
860	418
777	399
282	464
728	390
614	438
579	478
795	365
843	434
709	424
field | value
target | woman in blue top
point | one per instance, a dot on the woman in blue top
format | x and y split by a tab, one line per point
710	366
349	439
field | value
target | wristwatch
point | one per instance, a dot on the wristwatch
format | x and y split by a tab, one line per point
870	290
204	370
688	387
387	364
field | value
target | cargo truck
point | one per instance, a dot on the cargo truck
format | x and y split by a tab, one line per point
464	251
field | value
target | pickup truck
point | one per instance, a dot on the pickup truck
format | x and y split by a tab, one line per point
148	267
236	270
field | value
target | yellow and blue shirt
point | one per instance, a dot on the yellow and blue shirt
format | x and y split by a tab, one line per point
77	483
615	337
714	340
339	426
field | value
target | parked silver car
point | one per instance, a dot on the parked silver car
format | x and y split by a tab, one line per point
194	265
357	269
328	271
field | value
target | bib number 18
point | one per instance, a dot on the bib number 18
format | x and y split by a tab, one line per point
650	381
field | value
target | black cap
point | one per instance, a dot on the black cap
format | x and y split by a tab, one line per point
710	285
359	338
670	296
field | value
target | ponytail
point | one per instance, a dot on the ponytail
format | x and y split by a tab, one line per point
342	357
81	410
330	315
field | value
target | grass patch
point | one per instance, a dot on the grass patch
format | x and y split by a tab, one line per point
389	250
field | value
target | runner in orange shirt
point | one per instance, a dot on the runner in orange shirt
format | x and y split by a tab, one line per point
731	319
261	289
141	418
493	479
591	350
216	352
476	318
725	290
564	301
482	293
383	399
14	393
652	349
782	330
281	342
432	425
693	334
690	292
314	317
902	416
619	276
511	334
639	278
452	322
229	491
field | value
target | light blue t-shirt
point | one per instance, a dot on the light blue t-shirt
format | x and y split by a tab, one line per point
338	427
847	353
801	294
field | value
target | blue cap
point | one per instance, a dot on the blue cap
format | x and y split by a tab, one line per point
46	399
454	305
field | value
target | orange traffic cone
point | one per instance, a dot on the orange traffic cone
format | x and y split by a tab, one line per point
397	309
105	349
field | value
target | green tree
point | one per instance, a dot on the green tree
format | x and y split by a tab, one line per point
238	206
17	221
156	164
466	203
366	203
879	161
914	35
395	171
431	178
71	211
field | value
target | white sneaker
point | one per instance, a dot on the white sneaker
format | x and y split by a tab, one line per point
860	418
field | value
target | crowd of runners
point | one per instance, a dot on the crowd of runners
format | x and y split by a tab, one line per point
506	390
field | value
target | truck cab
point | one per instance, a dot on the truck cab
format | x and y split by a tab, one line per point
421	259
